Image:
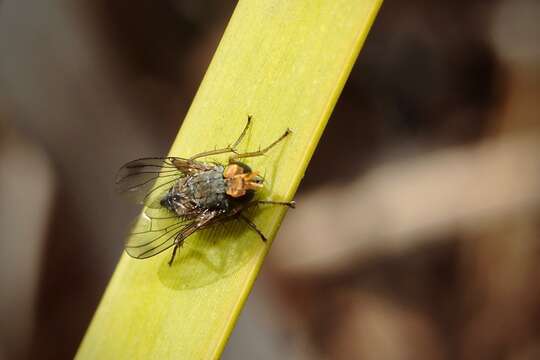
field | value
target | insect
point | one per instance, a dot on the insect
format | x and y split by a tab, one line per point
193	193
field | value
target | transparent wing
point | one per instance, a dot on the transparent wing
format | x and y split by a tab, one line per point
147	180
154	232
157	230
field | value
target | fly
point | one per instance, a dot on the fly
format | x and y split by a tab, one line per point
193	193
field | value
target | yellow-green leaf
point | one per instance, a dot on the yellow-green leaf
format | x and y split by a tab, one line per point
285	62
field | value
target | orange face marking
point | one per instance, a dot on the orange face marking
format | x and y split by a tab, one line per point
238	181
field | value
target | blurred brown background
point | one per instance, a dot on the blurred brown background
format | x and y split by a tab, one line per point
417	231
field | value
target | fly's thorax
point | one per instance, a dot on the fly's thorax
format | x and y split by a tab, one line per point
199	192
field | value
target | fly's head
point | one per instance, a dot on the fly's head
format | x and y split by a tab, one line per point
241	180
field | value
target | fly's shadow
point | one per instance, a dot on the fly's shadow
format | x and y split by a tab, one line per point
209	256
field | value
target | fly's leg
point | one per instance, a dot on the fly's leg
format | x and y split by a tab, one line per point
260	152
291	204
175	249
203	221
253	227
228	149
179	241
241	137
177	244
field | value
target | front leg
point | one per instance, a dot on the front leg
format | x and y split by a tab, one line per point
259	152
228	149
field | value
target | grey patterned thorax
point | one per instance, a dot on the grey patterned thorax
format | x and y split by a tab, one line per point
204	190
